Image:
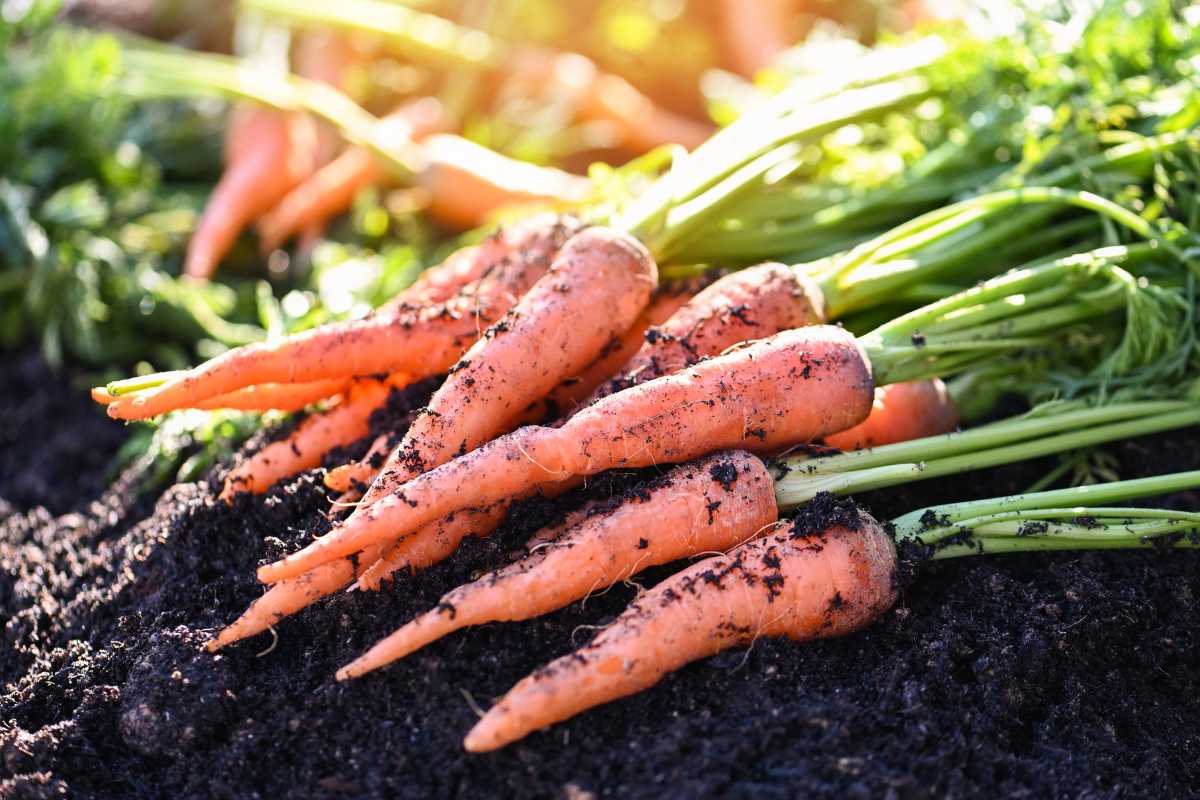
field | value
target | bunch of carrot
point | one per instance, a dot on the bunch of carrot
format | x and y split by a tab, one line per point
566	355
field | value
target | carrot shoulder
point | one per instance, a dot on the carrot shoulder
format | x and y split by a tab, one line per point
787	584
794	387
402	337
597	286
901	412
708	505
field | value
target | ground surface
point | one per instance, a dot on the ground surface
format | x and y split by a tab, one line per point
1069	675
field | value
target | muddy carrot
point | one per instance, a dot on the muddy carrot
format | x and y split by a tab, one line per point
315	436
901	412
597	286
794	387
796	583
331	189
418	341
703	506
268	152
751	304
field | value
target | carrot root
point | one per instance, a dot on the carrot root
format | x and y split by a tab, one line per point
792	583
901	412
711	504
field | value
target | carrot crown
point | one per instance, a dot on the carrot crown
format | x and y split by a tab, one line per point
1065	519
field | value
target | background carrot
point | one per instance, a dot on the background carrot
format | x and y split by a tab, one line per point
466	183
703	506
332	189
901	412
417	341
315	436
800	584
751	304
267	153
599	283
754	34
794	387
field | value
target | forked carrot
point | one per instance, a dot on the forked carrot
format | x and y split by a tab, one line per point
794	387
597	286
331	189
751	304
315	436
418	341
795	583
267	153
288	597
901	412
707	505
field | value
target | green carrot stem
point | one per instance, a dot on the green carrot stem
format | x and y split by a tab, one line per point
141	383
981	448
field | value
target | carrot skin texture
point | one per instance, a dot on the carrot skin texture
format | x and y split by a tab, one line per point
267	153
315	436
418	341
711	504
806	587
750	304
901	412
599	283
797	386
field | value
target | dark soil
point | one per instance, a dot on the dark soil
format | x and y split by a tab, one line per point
1063	675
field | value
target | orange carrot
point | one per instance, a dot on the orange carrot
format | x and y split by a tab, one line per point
332	189
901	412
640	123
751	304
315	436
267	153
276	396
347	477
795	387
467	183
288	597
419	341
711	504
793	583
754	34
597	286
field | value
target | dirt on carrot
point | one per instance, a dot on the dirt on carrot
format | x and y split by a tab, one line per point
983	678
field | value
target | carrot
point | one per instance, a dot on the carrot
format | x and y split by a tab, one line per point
267	153
418	341
640	123
599	283
332	189
711	504
750	304
754	34
792	583
346	477
901	412
288	597
315	436
276	396
467	183
796	386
